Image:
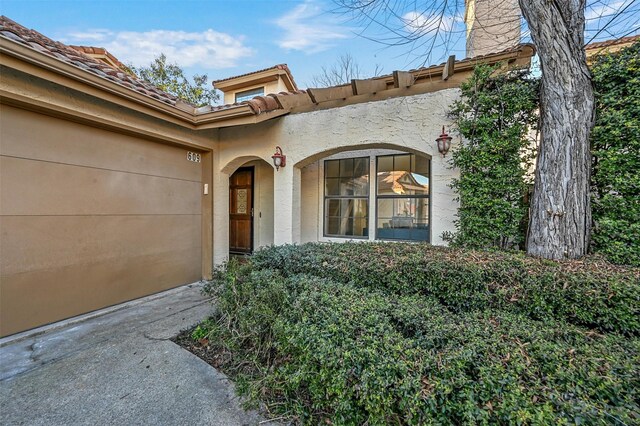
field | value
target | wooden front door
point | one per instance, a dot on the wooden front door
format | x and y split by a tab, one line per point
241	211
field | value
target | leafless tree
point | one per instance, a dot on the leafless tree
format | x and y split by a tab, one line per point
342	71
560	224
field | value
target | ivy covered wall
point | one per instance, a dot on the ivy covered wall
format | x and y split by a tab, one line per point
615	147
496	115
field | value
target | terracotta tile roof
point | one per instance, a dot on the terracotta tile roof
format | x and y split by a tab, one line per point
609	43
33	39
78	56
91	50
282	67
472	59
284	101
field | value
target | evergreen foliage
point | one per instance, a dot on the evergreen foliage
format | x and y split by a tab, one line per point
394	334
170	78
495	115
615	146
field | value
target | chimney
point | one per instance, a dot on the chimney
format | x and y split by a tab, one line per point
492	26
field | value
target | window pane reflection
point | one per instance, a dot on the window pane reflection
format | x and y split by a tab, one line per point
403	197
346	197
403	174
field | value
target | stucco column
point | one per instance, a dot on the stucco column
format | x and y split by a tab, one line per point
286	207
220	217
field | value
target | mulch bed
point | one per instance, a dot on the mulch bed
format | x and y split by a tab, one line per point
212	355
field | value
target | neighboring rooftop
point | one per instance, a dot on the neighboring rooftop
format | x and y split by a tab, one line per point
616	42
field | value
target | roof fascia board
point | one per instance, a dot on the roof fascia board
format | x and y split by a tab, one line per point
39	65
83	117
49	63
244	120
246	80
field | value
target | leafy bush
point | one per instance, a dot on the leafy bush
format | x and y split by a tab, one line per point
590	292
494	115
322	343
616	156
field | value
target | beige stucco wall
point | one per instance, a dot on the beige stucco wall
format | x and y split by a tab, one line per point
492	26
90	218
407	124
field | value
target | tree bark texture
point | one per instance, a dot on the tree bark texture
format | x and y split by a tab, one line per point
560	221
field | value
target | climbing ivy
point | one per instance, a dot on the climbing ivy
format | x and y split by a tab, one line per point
615	146
496	116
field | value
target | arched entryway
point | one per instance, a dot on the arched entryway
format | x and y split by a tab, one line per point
251	213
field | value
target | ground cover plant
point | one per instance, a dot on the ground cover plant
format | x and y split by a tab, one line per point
360	333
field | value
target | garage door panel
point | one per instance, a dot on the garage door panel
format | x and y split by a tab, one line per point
40	188
38	297
90	218
40	137
49	242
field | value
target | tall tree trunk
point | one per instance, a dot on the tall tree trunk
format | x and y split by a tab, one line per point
560	224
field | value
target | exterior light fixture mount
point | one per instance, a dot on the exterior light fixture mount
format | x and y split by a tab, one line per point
444	142
279	159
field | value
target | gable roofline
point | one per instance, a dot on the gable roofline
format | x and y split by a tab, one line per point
101	54
256	77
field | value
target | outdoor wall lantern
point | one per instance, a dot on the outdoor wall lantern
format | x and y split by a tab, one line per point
444	142
279	159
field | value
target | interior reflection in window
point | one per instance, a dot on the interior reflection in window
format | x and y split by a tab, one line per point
402	197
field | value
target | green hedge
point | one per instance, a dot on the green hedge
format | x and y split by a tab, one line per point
615	145
591	292
329	350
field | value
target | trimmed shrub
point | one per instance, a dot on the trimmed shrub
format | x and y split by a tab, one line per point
495	114
615	145
590	292
329	350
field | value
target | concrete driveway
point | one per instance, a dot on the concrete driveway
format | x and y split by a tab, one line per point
118	368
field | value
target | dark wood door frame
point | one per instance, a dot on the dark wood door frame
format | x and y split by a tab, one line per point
233	239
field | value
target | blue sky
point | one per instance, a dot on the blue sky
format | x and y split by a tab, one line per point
226	38
218	38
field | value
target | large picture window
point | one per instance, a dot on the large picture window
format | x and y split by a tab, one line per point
346	197
402	197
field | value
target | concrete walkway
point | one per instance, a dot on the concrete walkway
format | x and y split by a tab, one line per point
118	368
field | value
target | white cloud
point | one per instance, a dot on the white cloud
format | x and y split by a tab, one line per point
208	49
419	23
595	11
307	28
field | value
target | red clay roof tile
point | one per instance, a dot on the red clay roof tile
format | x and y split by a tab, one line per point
282	67
33	39
608	43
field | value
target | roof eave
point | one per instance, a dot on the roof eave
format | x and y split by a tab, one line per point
181	113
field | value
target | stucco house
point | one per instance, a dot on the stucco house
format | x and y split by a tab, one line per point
111	189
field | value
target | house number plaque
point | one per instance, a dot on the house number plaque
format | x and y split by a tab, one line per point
241	201
194	156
